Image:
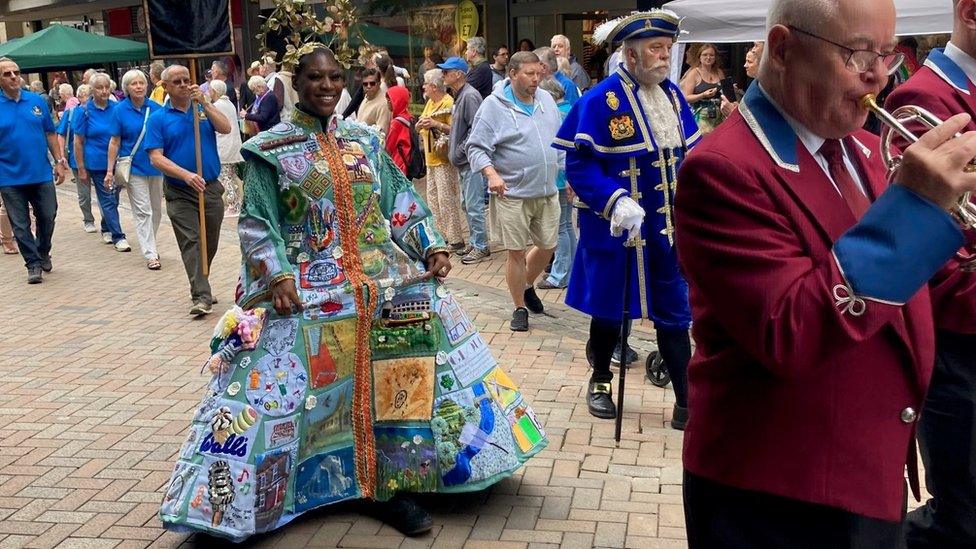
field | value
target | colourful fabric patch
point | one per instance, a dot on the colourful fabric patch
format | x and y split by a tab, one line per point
405	460
526	428
456	323
391	341
271	486
295	165
294	205
502	389
325	478
329	423
407	211
223	497
276	384
331	351
471	360
321	273
474	440
403	388
279	336
178	489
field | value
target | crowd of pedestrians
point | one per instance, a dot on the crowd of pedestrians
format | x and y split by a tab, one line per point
117	138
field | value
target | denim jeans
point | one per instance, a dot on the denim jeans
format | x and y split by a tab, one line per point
473	186
562	265
18	200
108	203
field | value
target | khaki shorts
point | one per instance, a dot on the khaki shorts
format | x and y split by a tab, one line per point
524	221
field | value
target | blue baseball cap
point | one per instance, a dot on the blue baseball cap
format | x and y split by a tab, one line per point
454	64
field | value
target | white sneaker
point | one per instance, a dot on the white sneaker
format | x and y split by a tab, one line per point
90	228
107	238
122	246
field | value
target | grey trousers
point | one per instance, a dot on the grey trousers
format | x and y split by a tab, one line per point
181	207
84	198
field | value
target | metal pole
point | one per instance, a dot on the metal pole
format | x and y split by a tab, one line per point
205	266
624	347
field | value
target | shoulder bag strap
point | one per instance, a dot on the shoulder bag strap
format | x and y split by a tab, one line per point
145	122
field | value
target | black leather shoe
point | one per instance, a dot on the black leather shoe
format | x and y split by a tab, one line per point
599	399
402	513
34	275
46	265
679	417
532	301
631	355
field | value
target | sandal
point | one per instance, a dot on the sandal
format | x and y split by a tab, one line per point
154	264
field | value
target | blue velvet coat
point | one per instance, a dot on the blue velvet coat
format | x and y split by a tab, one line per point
610	153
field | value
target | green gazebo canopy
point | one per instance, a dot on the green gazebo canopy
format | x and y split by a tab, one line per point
58	46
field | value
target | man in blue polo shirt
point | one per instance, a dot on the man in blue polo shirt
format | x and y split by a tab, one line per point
169	140
26	129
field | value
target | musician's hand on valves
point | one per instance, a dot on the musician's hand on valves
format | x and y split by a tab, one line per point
627	216
934	165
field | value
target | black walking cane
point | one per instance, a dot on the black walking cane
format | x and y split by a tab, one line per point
624	347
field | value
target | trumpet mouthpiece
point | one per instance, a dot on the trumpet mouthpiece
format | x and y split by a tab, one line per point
868	102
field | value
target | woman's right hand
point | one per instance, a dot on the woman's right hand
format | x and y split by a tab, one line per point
284	296
710	93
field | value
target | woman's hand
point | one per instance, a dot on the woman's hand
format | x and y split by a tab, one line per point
284	296
728	107
709	93
438	266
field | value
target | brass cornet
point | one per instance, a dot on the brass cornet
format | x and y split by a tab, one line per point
964	211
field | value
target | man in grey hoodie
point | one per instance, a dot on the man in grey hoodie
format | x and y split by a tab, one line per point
510	144
467	100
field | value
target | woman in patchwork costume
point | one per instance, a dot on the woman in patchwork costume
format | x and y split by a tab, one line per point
347	371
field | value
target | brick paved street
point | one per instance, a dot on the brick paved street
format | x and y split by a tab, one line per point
100	367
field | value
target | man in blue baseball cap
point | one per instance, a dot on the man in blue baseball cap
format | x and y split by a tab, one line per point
467	100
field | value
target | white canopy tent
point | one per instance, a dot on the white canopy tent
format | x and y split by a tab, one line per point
745	20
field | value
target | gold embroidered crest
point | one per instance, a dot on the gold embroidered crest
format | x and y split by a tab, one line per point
612	100
621	127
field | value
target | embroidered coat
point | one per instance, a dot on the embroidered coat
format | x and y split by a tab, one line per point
610	153
381	384
815	338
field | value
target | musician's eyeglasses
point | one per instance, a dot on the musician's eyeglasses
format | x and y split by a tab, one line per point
861	61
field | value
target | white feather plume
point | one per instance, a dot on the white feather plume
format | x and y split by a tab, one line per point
603	31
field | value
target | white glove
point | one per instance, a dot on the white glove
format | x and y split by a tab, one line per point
627	216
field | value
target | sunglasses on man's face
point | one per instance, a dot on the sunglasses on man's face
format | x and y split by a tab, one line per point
369	84
181	82
11	74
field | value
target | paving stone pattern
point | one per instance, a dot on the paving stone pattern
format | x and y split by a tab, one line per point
100	367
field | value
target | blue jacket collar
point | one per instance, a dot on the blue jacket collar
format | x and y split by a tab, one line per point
948	70
770	128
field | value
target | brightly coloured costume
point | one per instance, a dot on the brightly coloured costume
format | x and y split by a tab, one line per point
382	384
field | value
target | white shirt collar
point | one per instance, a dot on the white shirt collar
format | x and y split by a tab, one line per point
963	59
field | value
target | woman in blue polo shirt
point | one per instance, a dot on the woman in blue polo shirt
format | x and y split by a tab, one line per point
67	142
145	188
93	130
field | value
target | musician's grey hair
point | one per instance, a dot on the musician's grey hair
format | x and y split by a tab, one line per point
809	15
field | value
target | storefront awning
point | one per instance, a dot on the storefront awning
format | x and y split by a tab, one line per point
58	46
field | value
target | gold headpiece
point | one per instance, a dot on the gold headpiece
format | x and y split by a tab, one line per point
303	31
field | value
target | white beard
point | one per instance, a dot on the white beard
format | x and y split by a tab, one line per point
661	116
